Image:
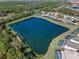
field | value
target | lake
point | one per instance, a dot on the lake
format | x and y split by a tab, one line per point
38	32
75	7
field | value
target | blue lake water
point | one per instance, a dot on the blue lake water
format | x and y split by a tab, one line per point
38	32
75	7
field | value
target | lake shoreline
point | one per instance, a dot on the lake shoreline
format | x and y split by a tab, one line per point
48	19
51	20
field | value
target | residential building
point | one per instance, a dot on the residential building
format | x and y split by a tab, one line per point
71	46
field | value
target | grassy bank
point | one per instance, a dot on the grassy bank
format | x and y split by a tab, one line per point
51	50
48	19
20	38
19	20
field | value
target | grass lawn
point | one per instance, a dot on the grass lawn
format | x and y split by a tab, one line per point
51	50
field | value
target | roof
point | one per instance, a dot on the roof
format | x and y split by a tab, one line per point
72	44
75	35
77	30
67	54
73	41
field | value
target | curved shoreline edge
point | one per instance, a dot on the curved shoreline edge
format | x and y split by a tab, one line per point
55	40
21	39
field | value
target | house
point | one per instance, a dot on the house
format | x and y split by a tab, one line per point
74	2
73	20
68	54
71	46
73	42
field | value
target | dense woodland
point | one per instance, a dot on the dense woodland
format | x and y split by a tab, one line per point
10	47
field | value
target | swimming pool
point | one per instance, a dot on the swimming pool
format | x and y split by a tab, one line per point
38	32
61	42
58	54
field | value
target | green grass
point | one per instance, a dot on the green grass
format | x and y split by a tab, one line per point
8	51
53	46
11	53
51	51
